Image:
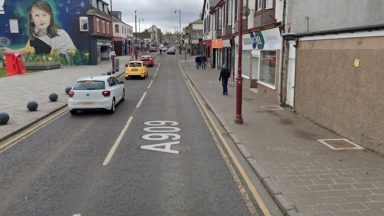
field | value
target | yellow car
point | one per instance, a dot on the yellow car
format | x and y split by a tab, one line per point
136	68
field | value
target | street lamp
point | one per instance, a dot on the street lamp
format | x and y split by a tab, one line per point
179	29
239	78
140	19
135	36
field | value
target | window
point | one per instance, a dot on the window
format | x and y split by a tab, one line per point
259	5
14	25
268	4
108	27
268	68
83	23
220	14
103	26
100	5
236	10
94	3
97	25
2	6
229	12
117	28
89	85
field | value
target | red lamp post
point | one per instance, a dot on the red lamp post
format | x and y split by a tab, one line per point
239	78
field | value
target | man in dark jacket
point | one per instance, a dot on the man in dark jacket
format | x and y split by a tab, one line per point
225	73
198	61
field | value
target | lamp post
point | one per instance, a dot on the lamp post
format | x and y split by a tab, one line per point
136	36
239	78
113	46
179	29
140	19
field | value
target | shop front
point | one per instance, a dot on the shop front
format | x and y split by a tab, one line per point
217	46
261	60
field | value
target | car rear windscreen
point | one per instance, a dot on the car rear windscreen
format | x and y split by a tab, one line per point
134	64
89	85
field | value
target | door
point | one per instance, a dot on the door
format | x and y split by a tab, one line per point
291	74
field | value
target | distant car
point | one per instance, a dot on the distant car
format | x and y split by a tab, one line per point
96	92
153	49
136	68
171	51
163	48
148	60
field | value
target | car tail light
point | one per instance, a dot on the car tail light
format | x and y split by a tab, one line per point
71	93
106	93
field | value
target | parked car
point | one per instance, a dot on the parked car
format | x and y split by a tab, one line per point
136	68
164	49
96	92
153	49
171	51
148	60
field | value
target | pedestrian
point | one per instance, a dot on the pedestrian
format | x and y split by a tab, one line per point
225	73
198	61
203	62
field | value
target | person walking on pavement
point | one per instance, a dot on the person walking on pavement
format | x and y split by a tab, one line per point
198	61
225	73
203	62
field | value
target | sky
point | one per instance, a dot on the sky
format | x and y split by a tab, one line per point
160	13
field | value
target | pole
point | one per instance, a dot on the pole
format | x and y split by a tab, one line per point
239	78
113	45
180	30
135	36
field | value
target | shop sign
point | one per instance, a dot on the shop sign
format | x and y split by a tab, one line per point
217	43
226	43
264	40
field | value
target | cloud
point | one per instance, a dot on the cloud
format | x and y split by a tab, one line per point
160	13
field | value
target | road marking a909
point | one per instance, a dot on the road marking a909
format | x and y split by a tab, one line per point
162	131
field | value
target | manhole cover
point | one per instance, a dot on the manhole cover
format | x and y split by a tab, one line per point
340	144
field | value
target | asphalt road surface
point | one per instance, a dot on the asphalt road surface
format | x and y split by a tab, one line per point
154	156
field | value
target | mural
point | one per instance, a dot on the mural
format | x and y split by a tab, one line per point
46	30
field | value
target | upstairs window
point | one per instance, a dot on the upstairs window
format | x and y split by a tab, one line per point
97	25
117	28
268	4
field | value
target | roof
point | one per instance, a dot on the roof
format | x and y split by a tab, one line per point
95	12
97	77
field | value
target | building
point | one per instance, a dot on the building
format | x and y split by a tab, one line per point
333	66
84	35
195	35
122	35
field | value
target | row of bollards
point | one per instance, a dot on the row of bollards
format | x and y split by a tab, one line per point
31	106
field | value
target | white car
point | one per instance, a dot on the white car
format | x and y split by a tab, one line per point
96	92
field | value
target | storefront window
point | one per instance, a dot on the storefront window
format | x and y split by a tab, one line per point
267	68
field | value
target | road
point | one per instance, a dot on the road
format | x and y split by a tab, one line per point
154	156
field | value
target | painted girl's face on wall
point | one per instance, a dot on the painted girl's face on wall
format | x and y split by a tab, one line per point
40	18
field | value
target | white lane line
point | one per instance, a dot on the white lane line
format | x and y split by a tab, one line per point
150	84
154	76
141	100
114	147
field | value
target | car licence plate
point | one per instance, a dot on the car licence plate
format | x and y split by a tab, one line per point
87	103
135	70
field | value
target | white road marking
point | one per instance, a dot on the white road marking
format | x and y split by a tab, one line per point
162	147
141	100
154	76
150	84
114	147
77	215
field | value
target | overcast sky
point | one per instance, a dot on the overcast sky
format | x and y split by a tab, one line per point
160	13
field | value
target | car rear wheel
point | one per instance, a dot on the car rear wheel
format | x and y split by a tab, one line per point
113	107
123	97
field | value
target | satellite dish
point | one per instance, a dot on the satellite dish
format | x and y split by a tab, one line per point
4	41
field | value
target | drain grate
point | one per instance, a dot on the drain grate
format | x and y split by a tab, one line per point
272	107
340	144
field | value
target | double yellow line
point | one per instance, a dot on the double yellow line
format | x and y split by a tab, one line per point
15	139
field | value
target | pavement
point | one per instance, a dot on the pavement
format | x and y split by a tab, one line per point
303	176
